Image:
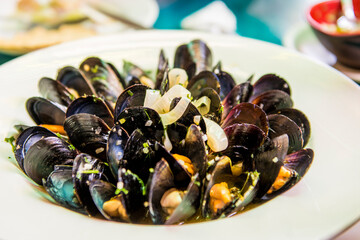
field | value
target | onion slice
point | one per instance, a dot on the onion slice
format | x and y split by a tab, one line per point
177	76
162	105
151	97
203	104
217	139
176	113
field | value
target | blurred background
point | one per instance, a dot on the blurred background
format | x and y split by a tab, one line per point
27	25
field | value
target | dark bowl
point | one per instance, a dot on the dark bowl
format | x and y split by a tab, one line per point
345	45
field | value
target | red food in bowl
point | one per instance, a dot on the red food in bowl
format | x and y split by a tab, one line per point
345	45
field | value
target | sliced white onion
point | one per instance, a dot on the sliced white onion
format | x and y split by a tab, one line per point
167	142
217	139
151	97
203	104
177	76
176	113
162	105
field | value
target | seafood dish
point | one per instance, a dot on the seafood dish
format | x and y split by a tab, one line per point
190	145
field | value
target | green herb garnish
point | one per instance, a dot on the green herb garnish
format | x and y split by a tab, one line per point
119	190
11	140
130	92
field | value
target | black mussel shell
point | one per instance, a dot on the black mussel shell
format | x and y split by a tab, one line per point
270	82
240	154
203	80
247	113
88	133
246	184
117	73
240	93
139	155
43	155
143	118
87	169
132	96
163	65
43	111
91	105
272	100
131	80
115	147
26	139
245	134
75	80
227	83
299	161
60	187
176	133
55	91
102	77
280	124
300	119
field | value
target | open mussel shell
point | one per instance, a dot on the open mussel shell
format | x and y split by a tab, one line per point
102	77
280	124
55	91
163	181
88	133
91	105
132	96
245	134
270	82
227	83
247	113
272	100
43	155
75	80
87	169
268	161
115	147
60	187
203	80
143	118
240	155
43	111
242	190
300	119
26	139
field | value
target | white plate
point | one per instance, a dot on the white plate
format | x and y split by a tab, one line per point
303	39
321	205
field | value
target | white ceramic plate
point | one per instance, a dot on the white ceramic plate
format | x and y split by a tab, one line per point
303	39
321	205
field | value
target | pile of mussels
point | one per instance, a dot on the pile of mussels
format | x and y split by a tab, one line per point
190	146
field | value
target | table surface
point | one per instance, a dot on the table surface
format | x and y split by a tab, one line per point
258	19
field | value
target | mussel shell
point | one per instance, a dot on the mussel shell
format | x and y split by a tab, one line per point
43	155
240	93
163	65
139	155
117	73
26	139
200	54
247	182
131	80
55	91
240	154
115	147
280	124
247	113
270	82
74	79
42	111
203	80
272	100
245	134
86	169
91	105
227	83
88	133
143	118
102	77
60	187
300	119
299	161
132	96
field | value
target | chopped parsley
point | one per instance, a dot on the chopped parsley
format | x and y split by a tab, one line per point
119	190
11	140
90	171
147	115
130	92
71	147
